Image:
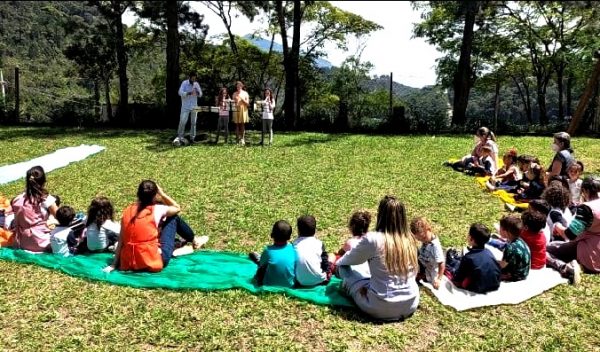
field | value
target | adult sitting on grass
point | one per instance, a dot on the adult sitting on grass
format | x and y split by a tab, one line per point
582	237
564	155
148	230
391	292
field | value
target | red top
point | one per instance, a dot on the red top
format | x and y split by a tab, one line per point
140	249
537	246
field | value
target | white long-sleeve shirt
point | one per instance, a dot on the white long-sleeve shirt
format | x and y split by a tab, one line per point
189	101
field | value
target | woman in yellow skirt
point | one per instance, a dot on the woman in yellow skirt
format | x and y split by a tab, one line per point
240	116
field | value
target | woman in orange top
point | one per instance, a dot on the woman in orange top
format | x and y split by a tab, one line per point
148	230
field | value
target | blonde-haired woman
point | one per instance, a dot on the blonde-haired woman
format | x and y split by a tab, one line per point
391	292
240	116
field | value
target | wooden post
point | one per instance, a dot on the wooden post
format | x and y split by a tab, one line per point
391	94
585	99
17	95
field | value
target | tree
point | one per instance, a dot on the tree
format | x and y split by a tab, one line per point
168	16
330	24
459	29
113	10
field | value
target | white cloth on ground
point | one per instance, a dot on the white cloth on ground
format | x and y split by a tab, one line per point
49	162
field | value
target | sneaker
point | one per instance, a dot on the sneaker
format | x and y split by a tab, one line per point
509	207
185	250
200	241
255	257
576	274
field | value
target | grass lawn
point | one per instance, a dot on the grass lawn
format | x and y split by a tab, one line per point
234	194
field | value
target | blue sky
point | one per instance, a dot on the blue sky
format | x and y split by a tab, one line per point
390	50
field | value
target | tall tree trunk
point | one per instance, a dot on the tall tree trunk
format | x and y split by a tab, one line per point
97	99
122	65
496	103
109	115
560	74
528	109
569	94
542	83
524	94
172	83
462	78
296	59
584	100
290	60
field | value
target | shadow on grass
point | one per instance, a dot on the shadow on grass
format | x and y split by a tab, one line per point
161	140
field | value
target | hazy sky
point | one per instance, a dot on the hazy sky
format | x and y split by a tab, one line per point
389	50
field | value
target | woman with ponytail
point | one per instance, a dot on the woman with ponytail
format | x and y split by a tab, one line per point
32	209
148	230
391	292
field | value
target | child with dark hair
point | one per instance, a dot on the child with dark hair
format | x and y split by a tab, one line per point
313	266
516	259
583	247
67	238
102	231
542	206
532	234
486	165
358	226
559	198
574	172
276	264
32	210
431	255
508	176
533	183
478	270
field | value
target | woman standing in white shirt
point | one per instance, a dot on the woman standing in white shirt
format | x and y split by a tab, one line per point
267	116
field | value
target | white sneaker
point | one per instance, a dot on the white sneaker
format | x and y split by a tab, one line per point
200	241
185	250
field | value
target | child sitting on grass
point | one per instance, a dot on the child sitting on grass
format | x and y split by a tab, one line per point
516	259
477	271
508	176
358	226
486	166
533	183
313	266
276	264
66	238
532	233
558	198
575	171
431	255
101	231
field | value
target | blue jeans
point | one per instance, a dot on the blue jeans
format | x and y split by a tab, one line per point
171	227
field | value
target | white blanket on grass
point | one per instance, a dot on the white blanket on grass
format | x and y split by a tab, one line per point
49	162
536	283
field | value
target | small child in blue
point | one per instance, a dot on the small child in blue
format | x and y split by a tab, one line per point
431	254
277	263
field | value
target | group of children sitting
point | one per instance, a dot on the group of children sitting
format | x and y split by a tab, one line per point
521	240
304	262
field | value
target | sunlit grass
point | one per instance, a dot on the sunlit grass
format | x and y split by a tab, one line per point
234	194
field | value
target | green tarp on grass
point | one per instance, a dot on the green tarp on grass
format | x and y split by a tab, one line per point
203	270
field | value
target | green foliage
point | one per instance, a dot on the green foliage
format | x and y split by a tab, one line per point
234	197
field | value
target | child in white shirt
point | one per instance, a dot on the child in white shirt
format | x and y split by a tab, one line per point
313	266
102	231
